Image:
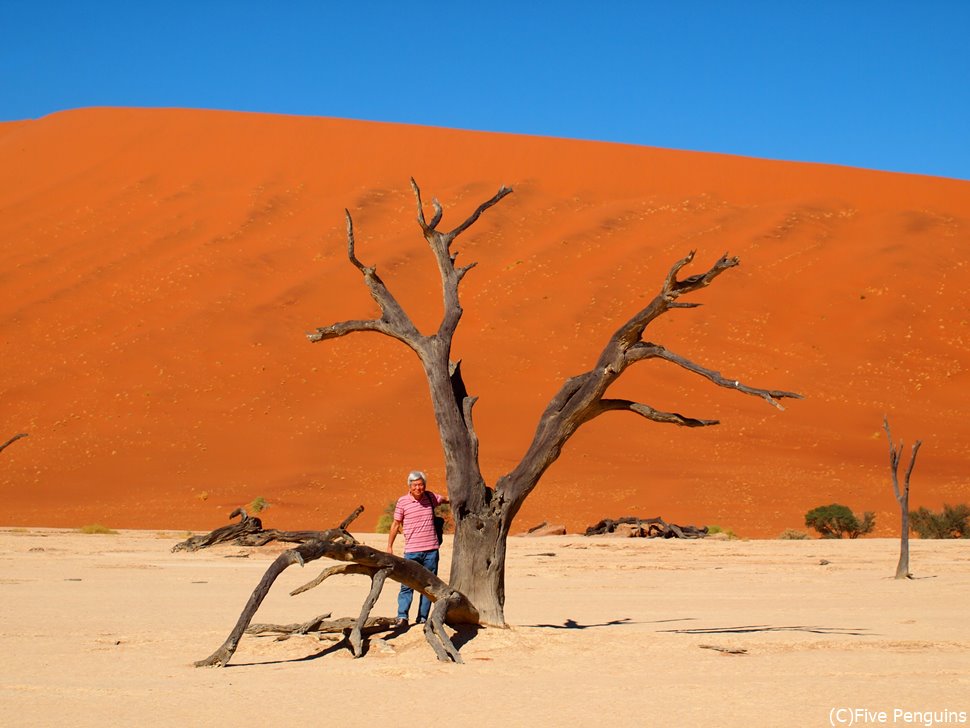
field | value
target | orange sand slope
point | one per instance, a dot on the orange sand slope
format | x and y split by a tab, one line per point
160	268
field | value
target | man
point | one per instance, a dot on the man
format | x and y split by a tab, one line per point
414	514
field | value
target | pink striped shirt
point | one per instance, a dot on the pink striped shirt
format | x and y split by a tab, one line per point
418	519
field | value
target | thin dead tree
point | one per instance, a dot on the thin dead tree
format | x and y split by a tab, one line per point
902	497
483	514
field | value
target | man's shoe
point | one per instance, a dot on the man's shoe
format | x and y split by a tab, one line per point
401	622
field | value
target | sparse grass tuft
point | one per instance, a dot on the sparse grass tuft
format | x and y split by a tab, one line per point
95	528
257	505
726	531
386	518
792	534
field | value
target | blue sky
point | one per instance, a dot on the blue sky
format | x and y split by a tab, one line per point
883	85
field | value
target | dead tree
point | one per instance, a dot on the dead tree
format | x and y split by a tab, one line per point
247	526
483	515
450	605
902	497
250	532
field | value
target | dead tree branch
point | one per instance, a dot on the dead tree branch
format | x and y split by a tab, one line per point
449	396
250	532
12	440
450	604
582	397
233	533
322	625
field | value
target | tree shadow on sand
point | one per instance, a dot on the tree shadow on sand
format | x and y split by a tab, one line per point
573	624
336	646
748	629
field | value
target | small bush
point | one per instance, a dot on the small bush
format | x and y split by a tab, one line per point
95	528
791	534
386	518
836	521
444	510
257	505
711	530
951	522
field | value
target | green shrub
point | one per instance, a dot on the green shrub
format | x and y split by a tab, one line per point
836	521
386	519
257	505
95	528
718	529
790	534
951	522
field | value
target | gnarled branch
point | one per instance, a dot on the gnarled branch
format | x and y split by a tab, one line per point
12	440
581	398
769	395
473	218
379	565
247	526
673	418
394	321
449	397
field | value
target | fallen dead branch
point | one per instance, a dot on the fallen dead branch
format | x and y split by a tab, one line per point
324	625
340	545
634	527
725	650
250	532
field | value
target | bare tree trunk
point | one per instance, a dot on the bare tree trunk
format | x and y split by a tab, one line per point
478	563
902	497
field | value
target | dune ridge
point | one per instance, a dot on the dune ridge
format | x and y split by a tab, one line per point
159	268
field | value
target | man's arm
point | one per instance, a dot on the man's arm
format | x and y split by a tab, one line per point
395	529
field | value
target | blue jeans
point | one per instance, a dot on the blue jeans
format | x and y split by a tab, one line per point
429	560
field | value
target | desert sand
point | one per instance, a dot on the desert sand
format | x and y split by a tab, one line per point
103	629
159	269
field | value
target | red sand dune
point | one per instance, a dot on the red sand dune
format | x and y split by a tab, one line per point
160	267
